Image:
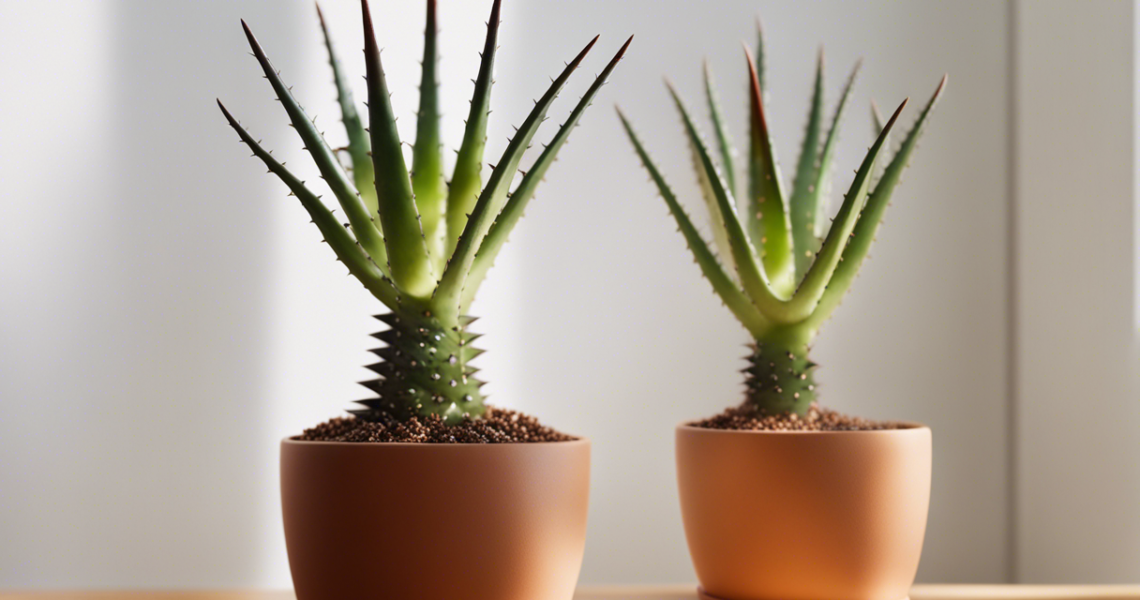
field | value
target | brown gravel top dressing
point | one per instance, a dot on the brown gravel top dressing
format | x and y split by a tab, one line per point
746	418
498	426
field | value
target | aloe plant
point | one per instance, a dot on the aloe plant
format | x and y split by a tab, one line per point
772	266
421	245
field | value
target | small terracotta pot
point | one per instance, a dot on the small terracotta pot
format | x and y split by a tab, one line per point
804	515
435	521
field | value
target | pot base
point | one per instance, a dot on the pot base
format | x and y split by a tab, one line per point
702	595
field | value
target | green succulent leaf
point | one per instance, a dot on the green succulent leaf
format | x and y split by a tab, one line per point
338	238
518	200
724	142
767	215
864	232
802	204
809	203
716	220
447	295
331	170
399	218
815	282
427	152
735	299
761	59
823	173
752	275
467	179
876	127
359	146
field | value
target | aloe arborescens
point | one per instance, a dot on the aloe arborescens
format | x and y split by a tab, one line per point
776	272
419	244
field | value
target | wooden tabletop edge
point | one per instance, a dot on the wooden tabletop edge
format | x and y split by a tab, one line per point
619	592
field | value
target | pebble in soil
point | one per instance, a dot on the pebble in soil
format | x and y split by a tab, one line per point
497	426
747	418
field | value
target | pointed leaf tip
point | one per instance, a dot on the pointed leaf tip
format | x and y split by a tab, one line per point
895	116
369	34
753	75
624	47
757	94
589	46
248	32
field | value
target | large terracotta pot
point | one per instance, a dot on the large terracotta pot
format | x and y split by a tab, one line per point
435	521
804	515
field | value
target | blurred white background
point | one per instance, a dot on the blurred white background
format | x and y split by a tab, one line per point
168	315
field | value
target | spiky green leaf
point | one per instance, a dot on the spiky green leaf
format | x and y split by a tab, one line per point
761	59
338	238
809	209
802	204
876	127
752	276
716	221
332	172
724	142
864	232
427	153
358	145
823	173
447	295
733	297
517	202
467	179
822	269
767	215
403	236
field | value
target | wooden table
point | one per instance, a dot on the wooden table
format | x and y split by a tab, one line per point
683	592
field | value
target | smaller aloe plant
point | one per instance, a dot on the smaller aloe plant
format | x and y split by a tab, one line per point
774	269
420	244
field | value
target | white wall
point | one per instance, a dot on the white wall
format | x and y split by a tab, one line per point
135	280
169	315
1078	370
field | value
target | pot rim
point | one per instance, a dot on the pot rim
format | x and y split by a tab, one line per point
582	440
905	428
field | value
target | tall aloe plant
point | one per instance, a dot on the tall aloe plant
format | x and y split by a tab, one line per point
420	244
773	266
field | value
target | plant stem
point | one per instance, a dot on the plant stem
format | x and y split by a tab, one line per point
780	376
424	369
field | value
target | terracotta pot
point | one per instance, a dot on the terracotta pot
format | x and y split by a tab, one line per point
435	521
804	515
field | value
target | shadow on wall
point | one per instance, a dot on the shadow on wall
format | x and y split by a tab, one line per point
189	244
136	387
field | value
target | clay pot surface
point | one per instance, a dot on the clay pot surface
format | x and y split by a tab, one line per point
435	521
804	515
